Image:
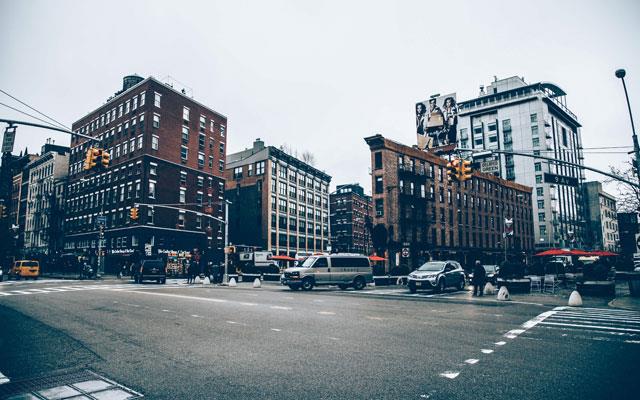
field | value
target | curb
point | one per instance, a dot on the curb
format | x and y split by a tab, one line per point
615	304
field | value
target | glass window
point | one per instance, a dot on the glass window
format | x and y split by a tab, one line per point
184	153
185	134
152	190
535	141
156	99
156	121
534	118
154	142
185	114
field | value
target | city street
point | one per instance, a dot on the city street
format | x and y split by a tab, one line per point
176	341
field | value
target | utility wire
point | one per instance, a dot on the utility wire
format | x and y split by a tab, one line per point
32	116
39	112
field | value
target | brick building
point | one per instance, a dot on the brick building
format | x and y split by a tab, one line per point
166	148
350	219
279	202
418	214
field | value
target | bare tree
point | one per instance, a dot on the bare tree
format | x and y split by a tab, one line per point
628	198
308	157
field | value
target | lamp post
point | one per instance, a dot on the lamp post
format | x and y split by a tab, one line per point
636	149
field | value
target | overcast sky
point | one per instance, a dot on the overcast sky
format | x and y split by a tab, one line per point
322	75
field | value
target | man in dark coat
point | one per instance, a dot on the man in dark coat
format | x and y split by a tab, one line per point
479	276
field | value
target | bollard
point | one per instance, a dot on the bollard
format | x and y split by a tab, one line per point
503	294
232	282
206	280
198	280
257	283
575	300
489	289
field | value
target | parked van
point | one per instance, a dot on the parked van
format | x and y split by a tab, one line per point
25	269
343	270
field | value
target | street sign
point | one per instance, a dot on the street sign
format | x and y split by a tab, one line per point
508	226
101	220
405	252
8	139
560	179
490	166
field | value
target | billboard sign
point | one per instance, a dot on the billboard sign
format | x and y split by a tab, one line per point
436	122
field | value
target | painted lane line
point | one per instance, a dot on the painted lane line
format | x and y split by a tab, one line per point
471	361
180	296
276	330
326	313
375	318
450	374
280	308
500	343
5	294
55	289
591	327
231	322
486	351
165	310
512	334
20	292
196	316
632	341
333	338
38	291
248	304
3	379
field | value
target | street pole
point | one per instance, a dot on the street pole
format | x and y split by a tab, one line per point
636	149
225	276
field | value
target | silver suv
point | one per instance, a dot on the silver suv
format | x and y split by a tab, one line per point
437	275
343	270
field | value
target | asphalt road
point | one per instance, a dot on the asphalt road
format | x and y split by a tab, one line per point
179	342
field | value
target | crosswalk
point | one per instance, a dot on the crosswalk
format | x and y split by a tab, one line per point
74	288
596	324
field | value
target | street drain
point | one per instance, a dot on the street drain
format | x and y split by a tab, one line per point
75	385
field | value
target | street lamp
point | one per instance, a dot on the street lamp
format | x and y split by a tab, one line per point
636	149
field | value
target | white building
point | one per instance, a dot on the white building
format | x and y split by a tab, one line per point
47	176
602	218
534	119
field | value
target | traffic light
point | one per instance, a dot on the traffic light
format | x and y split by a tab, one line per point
230	249
91	158
465	170
133	214
106	157
453	170
3	211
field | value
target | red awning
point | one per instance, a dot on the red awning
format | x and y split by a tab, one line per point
564	252
283	258
376	258
601	253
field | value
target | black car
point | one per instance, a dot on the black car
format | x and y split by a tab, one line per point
149	270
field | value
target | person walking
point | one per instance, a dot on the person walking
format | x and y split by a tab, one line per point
479	276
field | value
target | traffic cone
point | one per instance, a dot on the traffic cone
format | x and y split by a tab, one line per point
489	289
503	294
575	300
256	283
232	282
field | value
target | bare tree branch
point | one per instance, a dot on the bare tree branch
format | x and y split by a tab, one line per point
628	198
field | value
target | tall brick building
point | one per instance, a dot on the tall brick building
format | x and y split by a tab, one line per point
279	202
166	148
350	219
418	214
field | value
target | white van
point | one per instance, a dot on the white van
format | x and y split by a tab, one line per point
343	270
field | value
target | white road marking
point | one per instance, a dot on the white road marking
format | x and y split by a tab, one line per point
471	361
591	327
276	330
512	334
632	341
375	318
3	379
326	313
500	343
231	322
248	304
486	351
280	308
20	292
180	296
5	294
450	374
333	338
166	311
38	291
196	316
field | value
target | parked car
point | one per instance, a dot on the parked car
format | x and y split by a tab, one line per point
25	269
491	274
152	269
437	275
343	270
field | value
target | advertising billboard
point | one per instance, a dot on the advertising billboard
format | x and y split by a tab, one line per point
436	122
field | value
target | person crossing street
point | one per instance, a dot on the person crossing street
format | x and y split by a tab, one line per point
479	276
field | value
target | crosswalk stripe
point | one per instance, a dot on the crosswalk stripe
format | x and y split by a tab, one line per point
20	292
5	294
625	320
590	326
38	290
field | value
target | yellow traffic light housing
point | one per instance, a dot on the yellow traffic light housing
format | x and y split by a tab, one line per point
465	170
105	158
453	169
133	214
91	158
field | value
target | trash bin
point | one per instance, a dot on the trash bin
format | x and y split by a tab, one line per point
634	284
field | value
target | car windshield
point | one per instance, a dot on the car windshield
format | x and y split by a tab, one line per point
431	266
490	268
309	262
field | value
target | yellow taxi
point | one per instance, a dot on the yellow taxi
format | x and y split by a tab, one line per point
25	269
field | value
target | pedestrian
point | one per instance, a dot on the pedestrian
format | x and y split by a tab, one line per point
479	276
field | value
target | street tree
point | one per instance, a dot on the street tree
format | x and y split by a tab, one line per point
628	198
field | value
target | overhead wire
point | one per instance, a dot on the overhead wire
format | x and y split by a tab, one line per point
32	108
32	116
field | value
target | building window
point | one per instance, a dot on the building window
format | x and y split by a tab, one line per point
534	118
535	141
260	168
506	125
183	178
221	165
540	203
379	185
203	123
185	114
201	141
142	98
534	130
152	190
184	153
543	230
377	157
183	195
139	142
200	160
541	217
156	99
181	220
379	205
156	121
537	166
237	173
538	178
185	135
154	142
210	161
